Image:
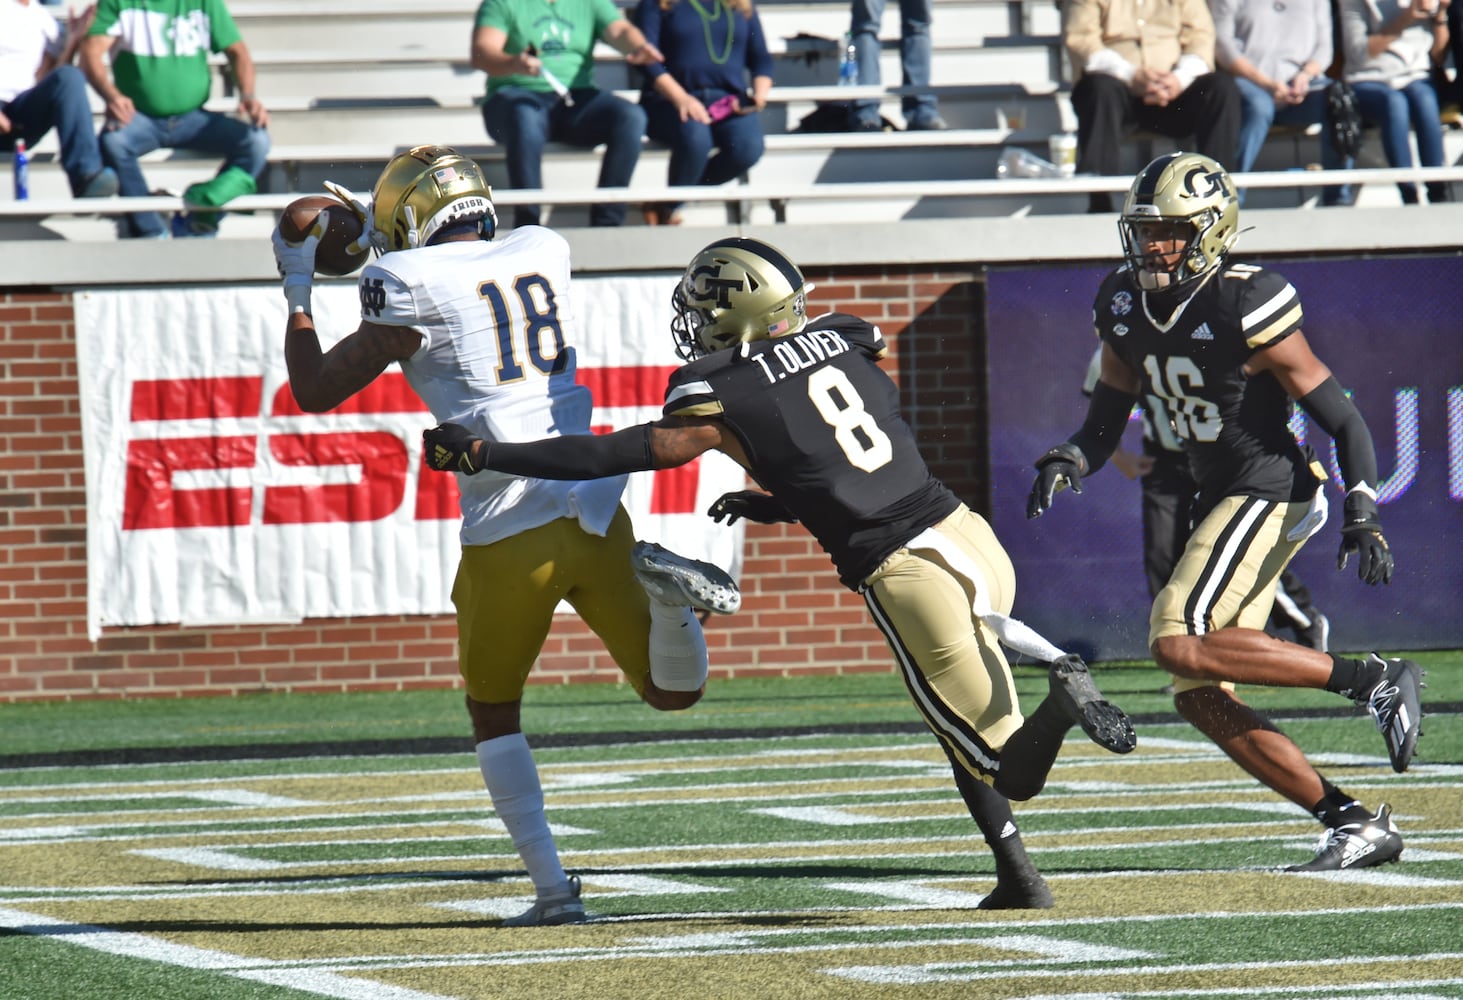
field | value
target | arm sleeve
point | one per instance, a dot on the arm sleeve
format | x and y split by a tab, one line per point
1338	416
648	18
573	456
1107	416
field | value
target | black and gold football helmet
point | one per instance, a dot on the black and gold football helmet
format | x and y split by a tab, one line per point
735	291
424	189
1195	193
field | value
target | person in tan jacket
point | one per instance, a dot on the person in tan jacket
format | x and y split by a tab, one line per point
1145	64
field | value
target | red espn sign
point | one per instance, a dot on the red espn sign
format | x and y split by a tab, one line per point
152	501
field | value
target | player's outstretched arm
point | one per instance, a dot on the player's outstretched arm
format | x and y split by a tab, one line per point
662	445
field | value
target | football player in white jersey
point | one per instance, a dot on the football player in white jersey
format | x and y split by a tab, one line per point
450	307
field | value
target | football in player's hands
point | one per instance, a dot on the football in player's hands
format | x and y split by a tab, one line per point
342	230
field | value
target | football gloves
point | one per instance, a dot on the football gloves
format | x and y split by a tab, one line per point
360	207
754	506
1059	468
296	261
454	448
1361	532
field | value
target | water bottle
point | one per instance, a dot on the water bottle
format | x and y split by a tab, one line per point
22	171
848	68
1017	162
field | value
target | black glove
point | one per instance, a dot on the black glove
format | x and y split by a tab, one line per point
754	506
1361	532
454	448
1056	470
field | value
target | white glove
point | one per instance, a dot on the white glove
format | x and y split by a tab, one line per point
296	261
360	207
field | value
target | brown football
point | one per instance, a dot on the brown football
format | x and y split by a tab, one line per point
342	229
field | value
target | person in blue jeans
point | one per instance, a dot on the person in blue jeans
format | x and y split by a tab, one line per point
156	86
920	110
41	90
1277	54
698	99
1390	48
539	58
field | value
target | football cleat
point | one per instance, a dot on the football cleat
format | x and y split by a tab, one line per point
1074	691
1316	635
1027	893
1356	845
1395	704
549	911
678	581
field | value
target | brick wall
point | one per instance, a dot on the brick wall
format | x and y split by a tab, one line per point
795	617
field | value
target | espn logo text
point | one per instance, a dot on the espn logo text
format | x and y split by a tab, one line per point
166	473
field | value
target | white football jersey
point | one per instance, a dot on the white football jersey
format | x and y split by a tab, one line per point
497	357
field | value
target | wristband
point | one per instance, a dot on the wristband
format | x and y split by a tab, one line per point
297	296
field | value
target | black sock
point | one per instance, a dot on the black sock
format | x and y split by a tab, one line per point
1028	755
1337	807
1350	678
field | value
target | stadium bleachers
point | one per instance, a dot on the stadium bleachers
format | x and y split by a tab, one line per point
350	84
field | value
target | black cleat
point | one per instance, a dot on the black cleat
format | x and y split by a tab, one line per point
1395	704
1075	693
1027	893
1357	845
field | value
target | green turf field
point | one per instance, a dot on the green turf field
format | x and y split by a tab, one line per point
794	838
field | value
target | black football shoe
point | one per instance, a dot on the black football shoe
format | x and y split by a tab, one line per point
1357	845
1395	704
1073	689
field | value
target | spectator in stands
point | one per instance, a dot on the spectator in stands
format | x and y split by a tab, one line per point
41	90
1145	67
539	57
155	90
698	100
921	110
1390	49
1277	54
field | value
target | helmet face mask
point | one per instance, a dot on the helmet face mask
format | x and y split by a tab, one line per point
424	190
1184	199
736	291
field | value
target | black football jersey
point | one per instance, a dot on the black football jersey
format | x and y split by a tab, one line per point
820	423
1234	428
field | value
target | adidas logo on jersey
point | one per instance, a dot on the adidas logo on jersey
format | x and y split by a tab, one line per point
1202	333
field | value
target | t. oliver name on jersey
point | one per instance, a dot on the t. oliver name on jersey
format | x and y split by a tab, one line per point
799	352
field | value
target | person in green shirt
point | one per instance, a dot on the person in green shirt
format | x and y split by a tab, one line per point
539	57
155	90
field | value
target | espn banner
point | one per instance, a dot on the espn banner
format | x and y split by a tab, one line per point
1387	328
212	499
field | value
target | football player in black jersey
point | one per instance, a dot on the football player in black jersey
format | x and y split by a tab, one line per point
1169	497
1220	343
806	410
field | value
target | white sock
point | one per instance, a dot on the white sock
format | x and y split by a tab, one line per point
677	648
518	798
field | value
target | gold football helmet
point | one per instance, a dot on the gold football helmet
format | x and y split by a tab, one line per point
1193	192
424	189
735	291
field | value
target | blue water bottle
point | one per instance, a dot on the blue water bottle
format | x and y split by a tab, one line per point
22	171
848	68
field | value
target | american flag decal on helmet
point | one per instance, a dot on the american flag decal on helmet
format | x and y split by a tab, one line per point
446	175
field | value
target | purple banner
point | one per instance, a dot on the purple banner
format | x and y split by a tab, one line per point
1390	329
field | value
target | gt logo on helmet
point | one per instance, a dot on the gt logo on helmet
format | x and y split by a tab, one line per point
705	284
1216	182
